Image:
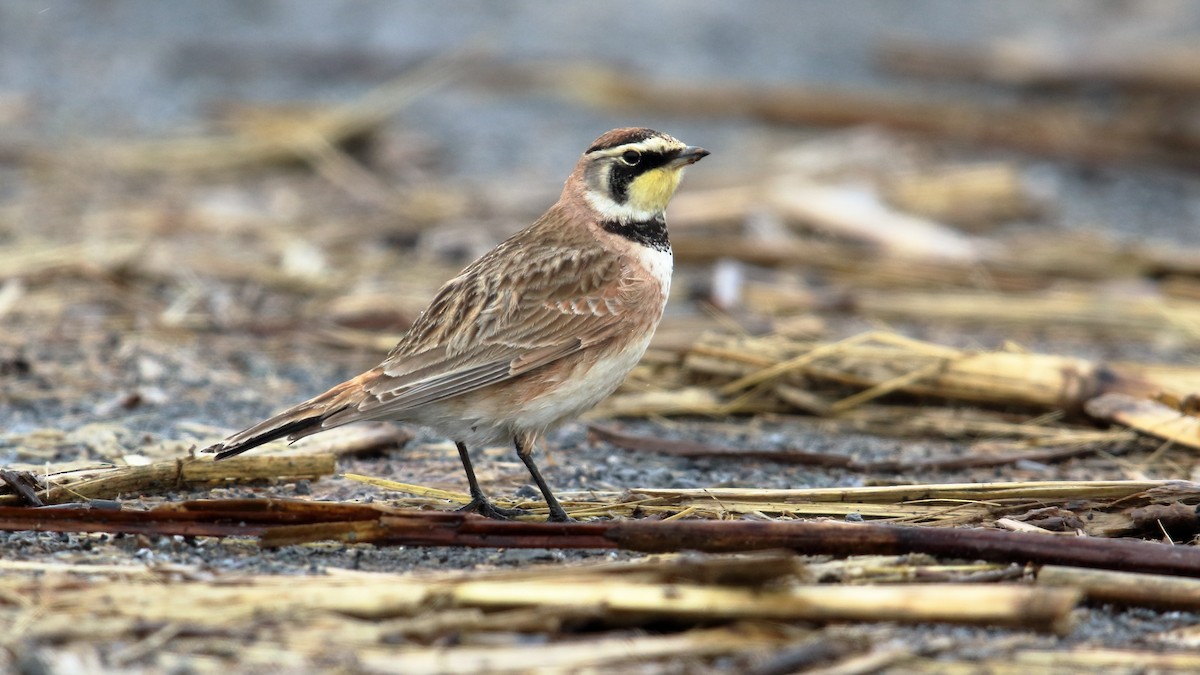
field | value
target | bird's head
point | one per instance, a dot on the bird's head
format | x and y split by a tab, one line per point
629	175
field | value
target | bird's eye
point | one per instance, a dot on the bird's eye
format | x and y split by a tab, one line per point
631	157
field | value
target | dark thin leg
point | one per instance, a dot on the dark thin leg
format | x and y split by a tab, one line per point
479	503
557	514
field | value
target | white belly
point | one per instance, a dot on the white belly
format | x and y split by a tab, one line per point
659	264
581	391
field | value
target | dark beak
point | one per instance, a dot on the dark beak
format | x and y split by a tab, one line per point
689	155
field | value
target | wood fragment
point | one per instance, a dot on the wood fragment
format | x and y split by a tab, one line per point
973	197
40	260
1177	520
1125	588
1094	659
1148	417
571	655
111	482
990	604
881	363
23	484
857	213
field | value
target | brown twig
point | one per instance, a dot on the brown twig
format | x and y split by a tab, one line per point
217	518
281	522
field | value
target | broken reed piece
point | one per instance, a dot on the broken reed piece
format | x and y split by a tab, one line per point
974	197
112	482
622	653
857	213
383	605
990	604
1125	588
1089	659
34	261
887	362
1148	417
23	485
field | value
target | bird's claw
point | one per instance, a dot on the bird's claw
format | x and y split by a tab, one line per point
487	509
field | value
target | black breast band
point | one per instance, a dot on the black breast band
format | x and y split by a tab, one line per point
652	233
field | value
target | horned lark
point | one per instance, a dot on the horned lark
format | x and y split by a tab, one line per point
536	331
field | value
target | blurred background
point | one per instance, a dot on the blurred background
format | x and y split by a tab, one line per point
255	198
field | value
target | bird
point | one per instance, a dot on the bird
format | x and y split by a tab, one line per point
533	333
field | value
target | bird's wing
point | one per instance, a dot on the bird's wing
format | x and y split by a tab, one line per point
506	315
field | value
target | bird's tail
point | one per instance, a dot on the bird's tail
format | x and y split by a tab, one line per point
296	422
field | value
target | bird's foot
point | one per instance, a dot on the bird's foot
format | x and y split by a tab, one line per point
558	515
484	507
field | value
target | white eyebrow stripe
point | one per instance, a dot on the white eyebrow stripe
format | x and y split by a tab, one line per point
653	144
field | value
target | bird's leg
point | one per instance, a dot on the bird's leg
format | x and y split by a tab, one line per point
479	503
525	452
